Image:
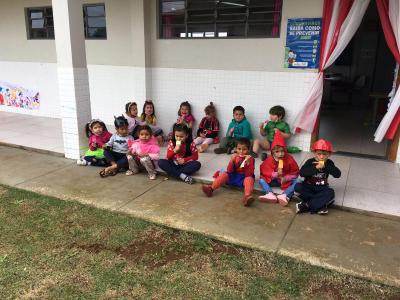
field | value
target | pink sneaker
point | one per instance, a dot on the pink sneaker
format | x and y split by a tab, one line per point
268	198
282	199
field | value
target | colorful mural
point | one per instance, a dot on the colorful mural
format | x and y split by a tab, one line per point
17	96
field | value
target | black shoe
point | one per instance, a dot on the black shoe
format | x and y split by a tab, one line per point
301	208
220	150
264	156
229	150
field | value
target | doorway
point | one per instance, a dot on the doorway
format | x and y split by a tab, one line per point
355	91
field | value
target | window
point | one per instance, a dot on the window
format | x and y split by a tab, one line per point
40	23
219	18
95	21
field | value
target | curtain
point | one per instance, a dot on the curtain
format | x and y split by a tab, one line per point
276	18
389	16
341	19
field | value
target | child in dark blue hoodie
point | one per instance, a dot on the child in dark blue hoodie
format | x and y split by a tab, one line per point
238	128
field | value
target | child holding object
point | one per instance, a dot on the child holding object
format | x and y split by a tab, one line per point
269	128
98	135
181	161
143	152
239	173
314	191
279	169
207	133
148	117
238	128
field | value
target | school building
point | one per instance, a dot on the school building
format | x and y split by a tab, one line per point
86	59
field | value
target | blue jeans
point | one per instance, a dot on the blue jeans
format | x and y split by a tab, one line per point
176	170
275	183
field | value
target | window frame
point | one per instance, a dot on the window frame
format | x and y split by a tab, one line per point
28	21
215	23
86	23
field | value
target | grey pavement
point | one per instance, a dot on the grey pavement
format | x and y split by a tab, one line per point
359	244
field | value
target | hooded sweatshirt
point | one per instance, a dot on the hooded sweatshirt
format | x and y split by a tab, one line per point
151	148
240	130
97	141
269	167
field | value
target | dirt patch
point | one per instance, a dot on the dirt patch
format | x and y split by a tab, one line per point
156	248
327	288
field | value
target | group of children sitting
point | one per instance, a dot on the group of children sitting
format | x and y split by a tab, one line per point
136	146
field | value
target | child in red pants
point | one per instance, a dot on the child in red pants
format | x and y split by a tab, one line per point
240	173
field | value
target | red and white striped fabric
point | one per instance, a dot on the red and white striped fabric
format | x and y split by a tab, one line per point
341	19
390	20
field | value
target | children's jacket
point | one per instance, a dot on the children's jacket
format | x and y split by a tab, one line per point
240	130
182	152
314	176
187	119
269	167
269	129
209	126
119	143
236	166
150	148
132	123
97	141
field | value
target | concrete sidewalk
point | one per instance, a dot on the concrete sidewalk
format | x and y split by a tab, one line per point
366	246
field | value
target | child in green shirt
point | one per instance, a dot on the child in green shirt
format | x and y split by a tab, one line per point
238	128
268	129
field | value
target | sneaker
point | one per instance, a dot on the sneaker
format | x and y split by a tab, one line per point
268	198
301	208
283	200
82	162
324	211
152	176
247	200
130	173
296	198
229	150
264	156
189	180
207	189
220	150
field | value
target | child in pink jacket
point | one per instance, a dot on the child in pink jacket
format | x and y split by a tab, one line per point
143	152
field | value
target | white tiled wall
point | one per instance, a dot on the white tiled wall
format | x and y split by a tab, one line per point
75	109
112	86
255	91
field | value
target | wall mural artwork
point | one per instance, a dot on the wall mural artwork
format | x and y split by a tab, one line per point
18	96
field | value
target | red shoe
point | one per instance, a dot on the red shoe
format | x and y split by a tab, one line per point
247	200
207	189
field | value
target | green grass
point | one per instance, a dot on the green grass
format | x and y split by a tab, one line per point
54	249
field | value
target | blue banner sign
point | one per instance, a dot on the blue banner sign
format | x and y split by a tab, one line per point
303	43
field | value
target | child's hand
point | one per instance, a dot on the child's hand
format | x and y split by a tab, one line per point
177	148
231	131
276	130
234	155
94	145
129	157
319	164
280	172
180	161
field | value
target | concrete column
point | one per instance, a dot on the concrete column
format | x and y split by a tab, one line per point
140	28
73	80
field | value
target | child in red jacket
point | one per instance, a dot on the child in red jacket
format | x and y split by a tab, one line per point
240	173
279	169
